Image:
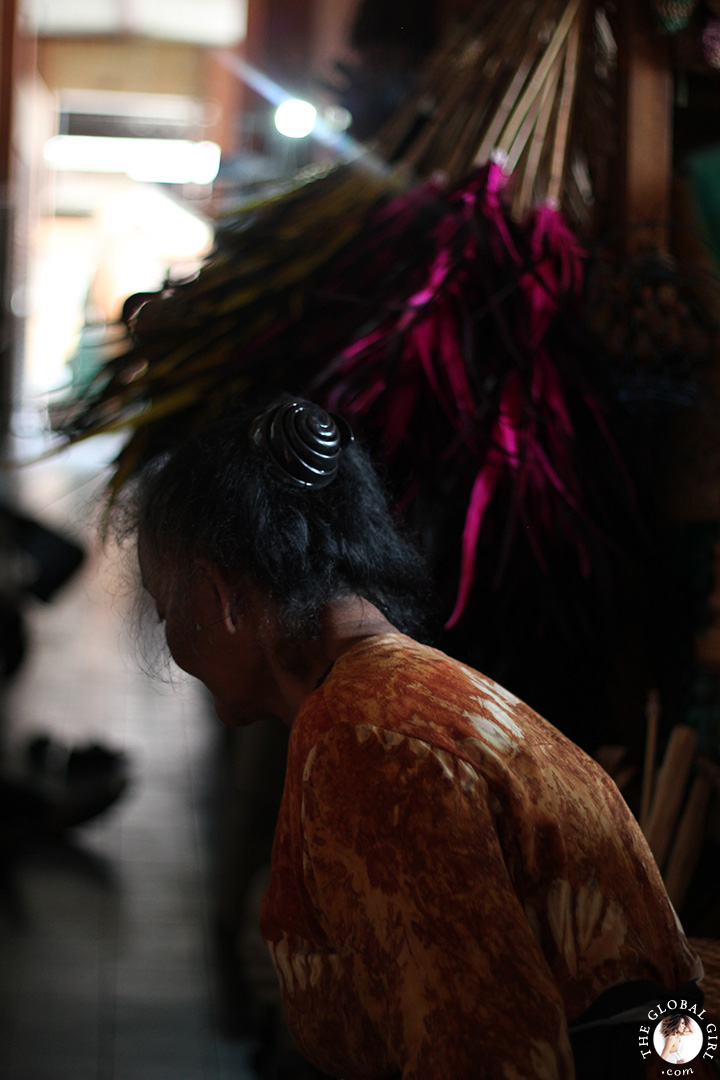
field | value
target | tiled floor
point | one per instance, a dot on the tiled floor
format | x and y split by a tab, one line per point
105	966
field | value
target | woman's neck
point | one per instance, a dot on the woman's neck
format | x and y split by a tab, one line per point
301	668
348	621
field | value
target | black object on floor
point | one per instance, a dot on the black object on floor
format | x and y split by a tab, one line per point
48	559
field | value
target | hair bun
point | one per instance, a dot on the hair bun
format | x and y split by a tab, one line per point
303	441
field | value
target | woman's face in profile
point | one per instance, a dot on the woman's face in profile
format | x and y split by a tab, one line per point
226	655
171	590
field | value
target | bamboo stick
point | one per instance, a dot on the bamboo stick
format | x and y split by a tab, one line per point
487	30
652	712
539	75
394	131
501	116
565	108
503	33
529	123
517	84
688	842
531	166
669	791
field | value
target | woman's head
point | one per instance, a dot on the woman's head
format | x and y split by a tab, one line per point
222	498
677	1024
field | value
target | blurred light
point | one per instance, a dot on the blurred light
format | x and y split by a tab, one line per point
337	118
176	233
212	22
295	118
161	161
341	144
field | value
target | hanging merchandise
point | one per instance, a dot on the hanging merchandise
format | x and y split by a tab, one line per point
658	334
710	41
459	386
429	289
672	16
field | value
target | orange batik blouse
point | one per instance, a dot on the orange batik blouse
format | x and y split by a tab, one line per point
453	881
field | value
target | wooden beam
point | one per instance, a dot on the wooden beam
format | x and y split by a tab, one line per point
8	14
647	132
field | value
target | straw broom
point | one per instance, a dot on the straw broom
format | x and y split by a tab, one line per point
273	279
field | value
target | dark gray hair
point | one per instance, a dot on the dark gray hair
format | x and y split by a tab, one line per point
220	496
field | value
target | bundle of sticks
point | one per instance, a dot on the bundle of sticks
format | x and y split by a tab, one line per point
503	86
505	83
675	802
428	284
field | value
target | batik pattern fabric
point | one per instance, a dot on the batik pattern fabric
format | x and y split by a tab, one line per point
453	882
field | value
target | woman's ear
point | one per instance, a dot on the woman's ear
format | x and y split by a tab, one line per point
222	596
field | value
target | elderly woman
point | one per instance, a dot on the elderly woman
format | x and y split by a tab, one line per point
455	886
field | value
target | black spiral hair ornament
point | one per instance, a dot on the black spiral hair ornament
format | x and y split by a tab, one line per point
303	441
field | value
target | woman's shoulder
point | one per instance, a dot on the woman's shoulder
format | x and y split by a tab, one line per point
376	658
398	684
395	684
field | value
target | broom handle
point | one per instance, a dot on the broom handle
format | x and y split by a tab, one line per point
524	195
450	97
431	87
540	74
652	711
504	109
529	124
688	842
517	84
669	791
565	107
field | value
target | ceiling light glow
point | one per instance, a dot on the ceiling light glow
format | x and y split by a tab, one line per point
160	161
295	118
